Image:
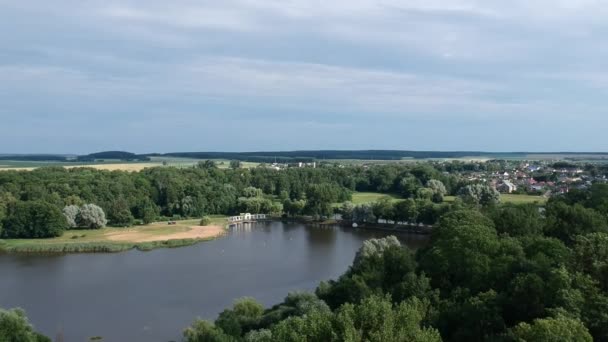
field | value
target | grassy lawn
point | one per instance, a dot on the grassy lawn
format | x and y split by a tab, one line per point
158	234
512	198
370	197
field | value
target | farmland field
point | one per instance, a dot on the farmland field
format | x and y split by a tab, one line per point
110	165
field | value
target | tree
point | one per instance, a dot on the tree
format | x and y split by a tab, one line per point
119	213
91	216
207	164
15	327
364	213
235	164
406	211
203	331
243	317
479	194
205	221
71	215
567	221
438	189
517	220
383	208
376	318
553	329
347	210
33	219
591	257
251	192
408	186
146	210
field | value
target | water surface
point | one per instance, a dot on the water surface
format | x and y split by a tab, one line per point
152	296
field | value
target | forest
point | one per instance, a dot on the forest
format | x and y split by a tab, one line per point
33	204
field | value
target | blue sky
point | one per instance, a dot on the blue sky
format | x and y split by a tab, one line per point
244	75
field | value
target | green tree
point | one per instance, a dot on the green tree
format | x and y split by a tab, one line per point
33	219
15	327
244	316
565	222
146	210
553	329
517	220
383	208
203	331
591	256
119	213
406	211
235	164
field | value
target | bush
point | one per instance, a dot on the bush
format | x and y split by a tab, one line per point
205	221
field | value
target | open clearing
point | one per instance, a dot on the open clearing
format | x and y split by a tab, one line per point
369	197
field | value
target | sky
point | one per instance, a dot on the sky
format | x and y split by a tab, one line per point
80	76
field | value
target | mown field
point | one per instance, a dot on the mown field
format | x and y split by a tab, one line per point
512	198
109	239
370	197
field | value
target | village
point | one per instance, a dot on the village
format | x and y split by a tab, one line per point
538	178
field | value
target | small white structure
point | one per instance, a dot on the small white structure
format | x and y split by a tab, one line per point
244	217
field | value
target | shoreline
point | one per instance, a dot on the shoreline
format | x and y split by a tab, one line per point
113	240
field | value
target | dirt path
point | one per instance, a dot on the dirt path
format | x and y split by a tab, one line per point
193	232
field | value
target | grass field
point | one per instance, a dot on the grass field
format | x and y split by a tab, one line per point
369	197
512	198
145	237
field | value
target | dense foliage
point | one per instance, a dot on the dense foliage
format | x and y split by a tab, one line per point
15	327
490	273
91	198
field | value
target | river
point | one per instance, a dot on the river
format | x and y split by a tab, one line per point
153	296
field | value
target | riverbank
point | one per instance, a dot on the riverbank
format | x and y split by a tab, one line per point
411	229
109	240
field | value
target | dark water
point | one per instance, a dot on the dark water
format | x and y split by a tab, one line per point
152	296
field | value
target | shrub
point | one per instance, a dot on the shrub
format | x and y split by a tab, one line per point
205	221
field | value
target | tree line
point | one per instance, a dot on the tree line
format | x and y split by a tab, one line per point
46	201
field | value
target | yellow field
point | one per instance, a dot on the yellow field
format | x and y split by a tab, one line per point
130	167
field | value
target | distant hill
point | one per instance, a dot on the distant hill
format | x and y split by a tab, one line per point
112	155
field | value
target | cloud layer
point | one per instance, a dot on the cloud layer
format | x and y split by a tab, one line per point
80	76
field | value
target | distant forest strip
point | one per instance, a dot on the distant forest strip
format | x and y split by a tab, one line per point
291	156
